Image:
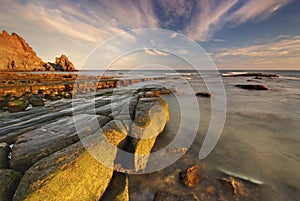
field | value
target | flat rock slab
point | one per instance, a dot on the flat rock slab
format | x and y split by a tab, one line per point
73	173
152	114
37	144
9	180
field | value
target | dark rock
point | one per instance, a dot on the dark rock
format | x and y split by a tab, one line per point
36	100
117	189
189	176
9	180
4	151
251	87
203	94
167	196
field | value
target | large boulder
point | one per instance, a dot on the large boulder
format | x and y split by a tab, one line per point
152	114
39	143
62	63
9	180
73	173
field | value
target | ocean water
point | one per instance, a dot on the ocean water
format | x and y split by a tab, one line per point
260	140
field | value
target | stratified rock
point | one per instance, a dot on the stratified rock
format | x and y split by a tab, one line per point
117	189
17	105
73	173
189	176
203	94
36	100
9	180
37	144
251	87
167	196
4	151
152	114
17	55
62	63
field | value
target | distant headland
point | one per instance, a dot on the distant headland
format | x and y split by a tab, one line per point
17	55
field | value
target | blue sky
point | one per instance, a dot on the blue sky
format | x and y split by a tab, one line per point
237	34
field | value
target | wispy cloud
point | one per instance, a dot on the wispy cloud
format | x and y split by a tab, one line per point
155	52
274	55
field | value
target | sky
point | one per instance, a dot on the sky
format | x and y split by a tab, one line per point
235	34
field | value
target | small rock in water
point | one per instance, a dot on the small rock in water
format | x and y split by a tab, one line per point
167	196
37	100
234	184
251	86
189	176
203	94
18	105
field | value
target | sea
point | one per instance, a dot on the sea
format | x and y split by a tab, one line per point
260	140
257	137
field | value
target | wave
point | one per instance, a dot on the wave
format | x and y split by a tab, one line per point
289	78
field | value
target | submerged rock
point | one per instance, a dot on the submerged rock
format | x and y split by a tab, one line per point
189	176
167	196
251	87
73	173
9	180
203	94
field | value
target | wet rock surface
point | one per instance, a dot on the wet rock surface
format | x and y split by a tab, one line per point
9	180
167	196
251	86
190	176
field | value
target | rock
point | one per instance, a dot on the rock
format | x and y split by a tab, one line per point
73	173
150	120
234	184
246	74
203	94
17	105
36	100
117	189
167	196
189	176
17	55
62	63
9	180
4	151
37	144
251	87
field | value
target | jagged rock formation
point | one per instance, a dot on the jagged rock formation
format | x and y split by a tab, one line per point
17	55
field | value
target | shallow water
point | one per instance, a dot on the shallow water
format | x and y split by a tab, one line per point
260	140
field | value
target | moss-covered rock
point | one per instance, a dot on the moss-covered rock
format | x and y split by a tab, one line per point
152	114
17	105
73	173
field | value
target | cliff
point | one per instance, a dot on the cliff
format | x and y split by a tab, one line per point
17	55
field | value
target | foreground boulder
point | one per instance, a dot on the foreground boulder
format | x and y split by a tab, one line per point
73	173
251	86
9	180
37	144
152	114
